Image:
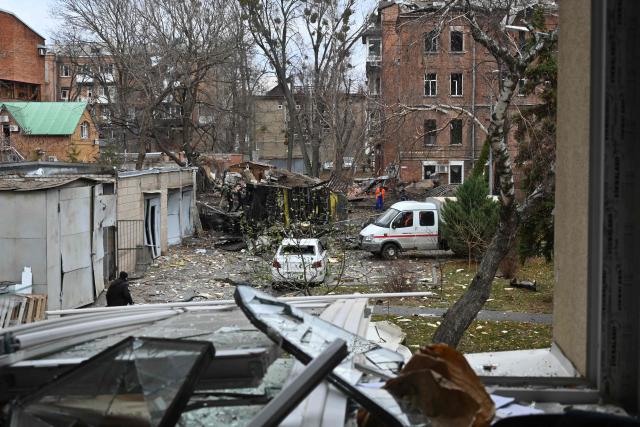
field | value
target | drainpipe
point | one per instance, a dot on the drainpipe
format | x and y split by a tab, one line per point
473	107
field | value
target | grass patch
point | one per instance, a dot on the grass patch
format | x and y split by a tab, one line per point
504	298
481	336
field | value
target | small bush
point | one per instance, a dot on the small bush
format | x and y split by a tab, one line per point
399	280
470	222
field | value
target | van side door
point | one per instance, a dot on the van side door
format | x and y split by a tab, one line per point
403	230
427	230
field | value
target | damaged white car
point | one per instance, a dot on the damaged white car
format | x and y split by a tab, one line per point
300	261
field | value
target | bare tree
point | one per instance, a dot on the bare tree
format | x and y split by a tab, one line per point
489	29
272	24
163	51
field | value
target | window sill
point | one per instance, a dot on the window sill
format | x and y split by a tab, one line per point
431	53
430	96
461	52
456	96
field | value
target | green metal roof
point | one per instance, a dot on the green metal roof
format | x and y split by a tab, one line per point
46	118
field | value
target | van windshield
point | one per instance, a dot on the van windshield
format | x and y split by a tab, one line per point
385	219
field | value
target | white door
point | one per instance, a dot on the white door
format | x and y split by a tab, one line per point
403	230
152	225
427	230
173	217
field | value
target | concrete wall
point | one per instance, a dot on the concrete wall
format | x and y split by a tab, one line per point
130	203
572	180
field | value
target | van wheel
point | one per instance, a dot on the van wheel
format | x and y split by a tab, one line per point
389	251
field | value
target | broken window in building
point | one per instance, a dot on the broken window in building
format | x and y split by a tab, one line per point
455	127
430	84
64	93
431	42
457	44
456	172
456	84
374	48
429	170
430	133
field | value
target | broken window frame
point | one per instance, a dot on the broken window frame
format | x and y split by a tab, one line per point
455	132
430	133
431	41
456	45
457	83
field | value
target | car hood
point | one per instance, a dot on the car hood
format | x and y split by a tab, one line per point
373	229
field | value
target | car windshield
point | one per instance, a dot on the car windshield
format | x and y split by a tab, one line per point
298	250
385	219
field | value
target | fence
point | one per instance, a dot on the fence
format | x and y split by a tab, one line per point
133	255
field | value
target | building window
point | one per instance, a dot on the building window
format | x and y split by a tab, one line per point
374	46
456	172
431	41
430	84
429	170
64	94
84	130
521	87
456	131
89	92
65	71
374	86
457	41
430	133
456	84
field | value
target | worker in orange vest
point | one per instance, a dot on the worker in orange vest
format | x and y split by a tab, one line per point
380	197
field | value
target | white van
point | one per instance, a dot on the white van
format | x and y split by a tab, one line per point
405	225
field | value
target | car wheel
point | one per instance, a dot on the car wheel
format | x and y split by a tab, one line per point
389	251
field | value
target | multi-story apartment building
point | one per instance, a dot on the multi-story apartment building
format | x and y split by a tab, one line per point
433	87
22	60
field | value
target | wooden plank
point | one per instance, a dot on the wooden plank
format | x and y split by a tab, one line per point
29	311
23	306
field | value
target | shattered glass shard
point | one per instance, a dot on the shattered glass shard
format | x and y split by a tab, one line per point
306	336
136	382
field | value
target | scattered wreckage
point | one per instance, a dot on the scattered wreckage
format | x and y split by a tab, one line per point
294	361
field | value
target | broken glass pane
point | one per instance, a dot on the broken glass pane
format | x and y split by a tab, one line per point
306	336
138	381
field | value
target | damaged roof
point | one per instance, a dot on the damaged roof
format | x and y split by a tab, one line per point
34	184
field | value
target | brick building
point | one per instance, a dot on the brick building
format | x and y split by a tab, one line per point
22	60
416	73
48	131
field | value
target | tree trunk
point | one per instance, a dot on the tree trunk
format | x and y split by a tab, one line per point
458	318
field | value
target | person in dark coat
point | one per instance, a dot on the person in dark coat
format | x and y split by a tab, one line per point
118	292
